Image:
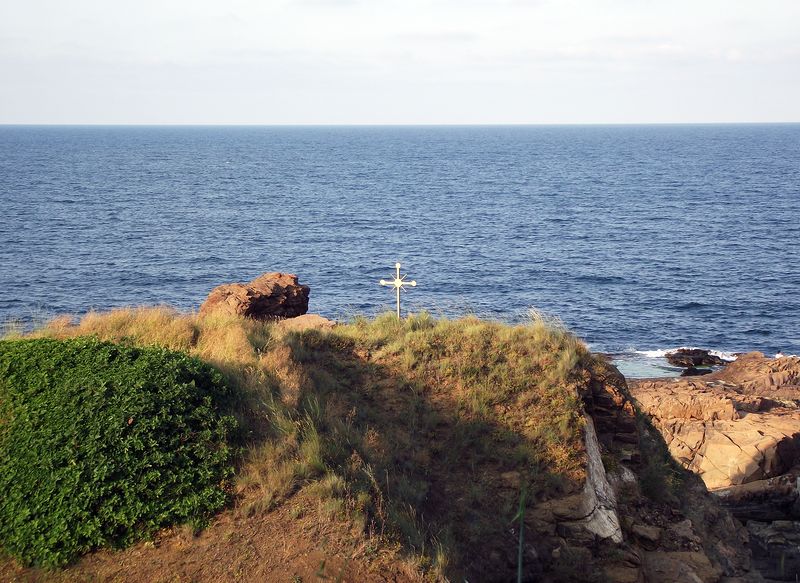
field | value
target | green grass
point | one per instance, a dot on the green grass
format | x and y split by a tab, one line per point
421	416
404	428
102	444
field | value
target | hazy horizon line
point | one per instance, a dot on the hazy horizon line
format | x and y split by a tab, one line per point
501	124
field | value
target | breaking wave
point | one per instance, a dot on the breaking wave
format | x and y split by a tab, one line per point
662	352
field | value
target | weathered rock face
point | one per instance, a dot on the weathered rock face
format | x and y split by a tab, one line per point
269	296
680	567
724	445
763	500
592	515
771	378
612	411
613	527
739	430
735	426
776	548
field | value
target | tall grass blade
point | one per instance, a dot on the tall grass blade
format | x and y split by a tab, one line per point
521	517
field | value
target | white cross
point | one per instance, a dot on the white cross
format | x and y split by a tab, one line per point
398	283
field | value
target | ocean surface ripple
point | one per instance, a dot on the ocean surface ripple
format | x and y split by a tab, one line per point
637	237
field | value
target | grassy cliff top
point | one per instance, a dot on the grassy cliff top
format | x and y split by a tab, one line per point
417	437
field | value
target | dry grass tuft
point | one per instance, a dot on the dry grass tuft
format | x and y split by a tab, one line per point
144	326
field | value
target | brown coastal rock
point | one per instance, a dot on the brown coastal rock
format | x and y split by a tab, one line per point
756	374
735	426
269	296
683	537
739	430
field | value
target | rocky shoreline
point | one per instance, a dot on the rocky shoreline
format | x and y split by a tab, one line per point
738	429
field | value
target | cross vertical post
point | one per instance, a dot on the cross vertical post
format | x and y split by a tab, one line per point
398	284
397	288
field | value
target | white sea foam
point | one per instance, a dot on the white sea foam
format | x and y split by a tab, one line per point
652	353
728	356
661	353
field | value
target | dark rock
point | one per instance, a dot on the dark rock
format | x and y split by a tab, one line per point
691	357
695	372
608	404
648	536
763	500
679	567
776	548
269	296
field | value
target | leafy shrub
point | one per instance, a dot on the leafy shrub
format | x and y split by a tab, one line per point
102	444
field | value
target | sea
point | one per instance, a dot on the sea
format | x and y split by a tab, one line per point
639	238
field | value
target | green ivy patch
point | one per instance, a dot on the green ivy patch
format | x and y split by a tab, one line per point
102	444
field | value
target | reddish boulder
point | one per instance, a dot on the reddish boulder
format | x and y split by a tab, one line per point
269	296
758	375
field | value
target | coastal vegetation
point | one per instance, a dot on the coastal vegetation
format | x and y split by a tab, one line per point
418	435
101	444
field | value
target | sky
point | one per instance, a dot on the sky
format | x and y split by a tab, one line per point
399	61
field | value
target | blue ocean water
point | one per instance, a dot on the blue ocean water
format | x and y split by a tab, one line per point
637	237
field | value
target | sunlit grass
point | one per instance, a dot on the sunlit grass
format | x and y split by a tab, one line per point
378	418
